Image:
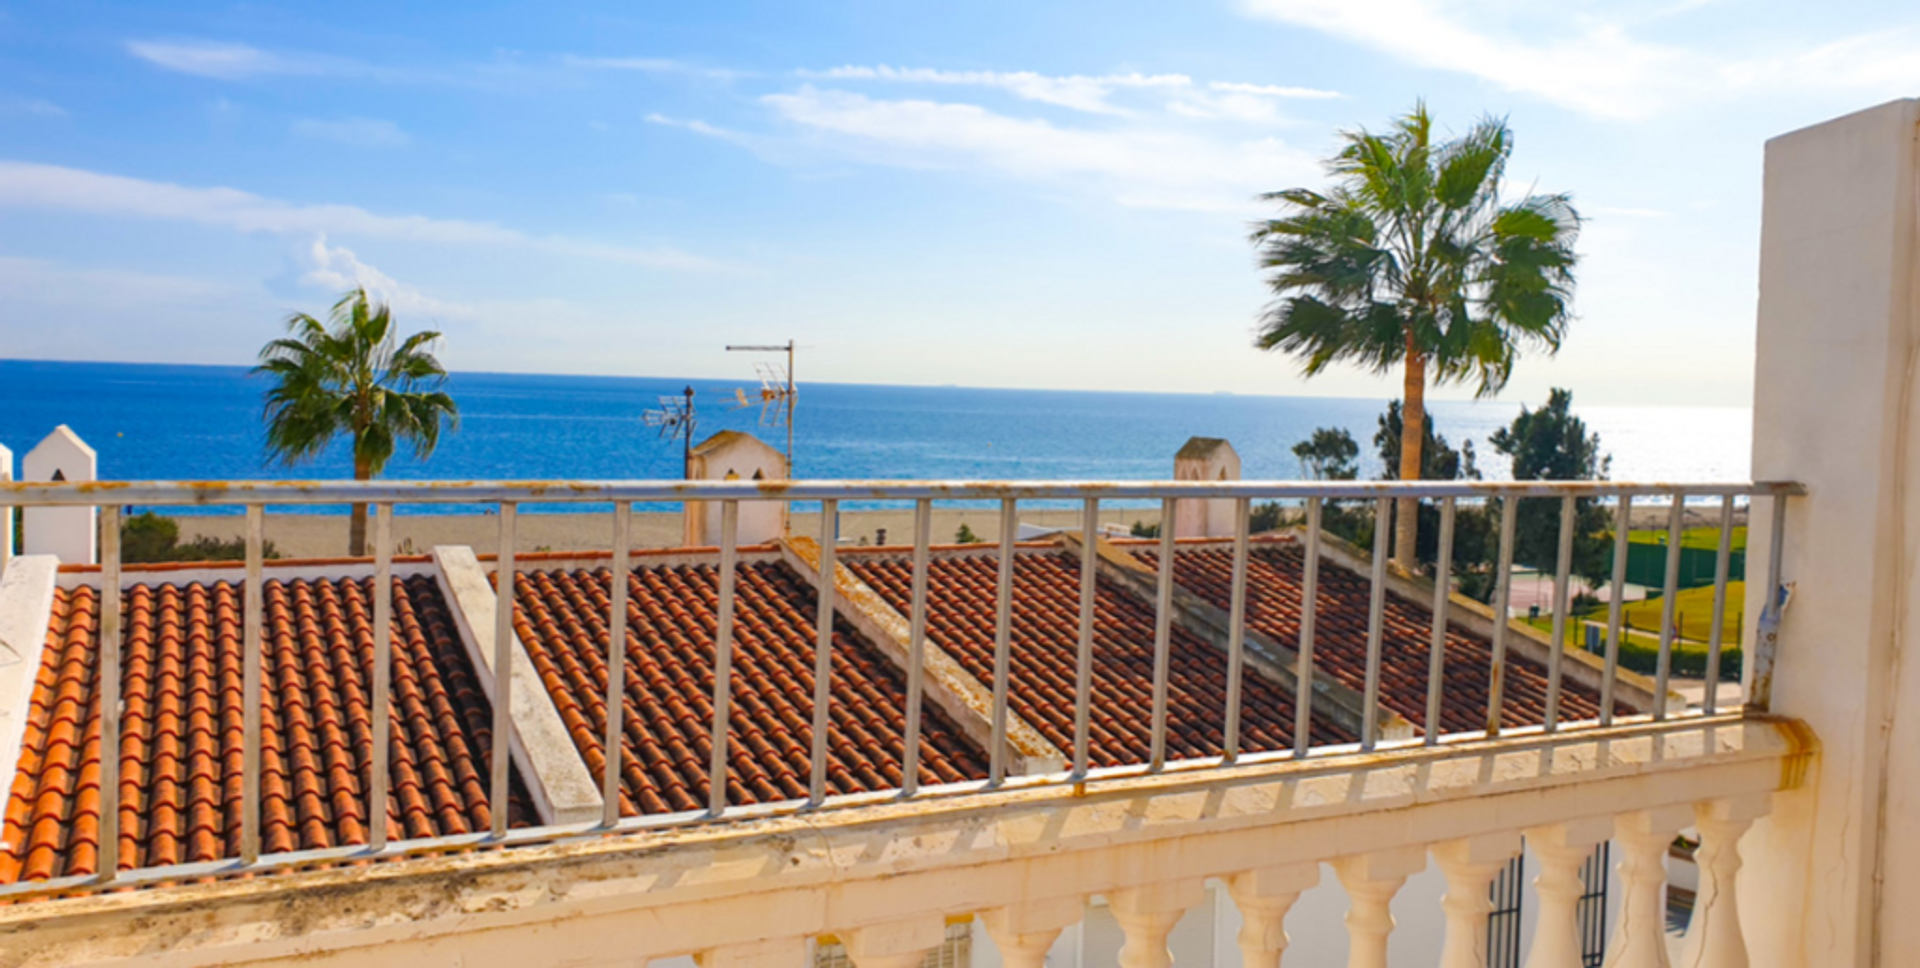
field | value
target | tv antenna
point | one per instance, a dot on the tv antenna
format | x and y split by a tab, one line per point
777	392
676	419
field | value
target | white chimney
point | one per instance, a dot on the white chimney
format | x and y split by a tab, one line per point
1205	459
733	456
68	533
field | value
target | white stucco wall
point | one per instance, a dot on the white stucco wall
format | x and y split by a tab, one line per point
6	514
68	533
729	456
1834	408
1205	459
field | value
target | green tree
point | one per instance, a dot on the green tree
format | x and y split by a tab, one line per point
1551	444
965	535
1329	455
351	376
1412	260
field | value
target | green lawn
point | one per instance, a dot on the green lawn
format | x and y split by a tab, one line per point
1640	637
1707	538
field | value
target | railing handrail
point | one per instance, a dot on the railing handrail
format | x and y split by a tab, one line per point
240	493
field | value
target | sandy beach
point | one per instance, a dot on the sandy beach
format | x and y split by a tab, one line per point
320	536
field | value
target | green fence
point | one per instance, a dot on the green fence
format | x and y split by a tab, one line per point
1647	565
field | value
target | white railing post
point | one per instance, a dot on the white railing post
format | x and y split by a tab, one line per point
1714	938
1264	897
1026	932
1562	848
896	944
1640	938
1147	915
1371	881
1470	865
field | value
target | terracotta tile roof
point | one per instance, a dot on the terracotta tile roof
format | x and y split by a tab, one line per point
672	615
1274	576
1046	611
180	744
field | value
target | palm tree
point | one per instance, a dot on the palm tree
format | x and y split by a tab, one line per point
1413	259
350	376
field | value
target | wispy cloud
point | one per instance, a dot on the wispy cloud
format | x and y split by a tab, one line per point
1148	166
30	106
653	65
35	186
221	61
1595	64
1093	94
357	132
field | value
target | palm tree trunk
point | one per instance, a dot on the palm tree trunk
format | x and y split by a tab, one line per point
357	527
1413	438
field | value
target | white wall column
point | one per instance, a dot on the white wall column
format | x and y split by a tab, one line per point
1639	940
1024	933
1837	407
1147	914
1714	938
6	513
1371	881
1470	865
900	944
1264	897
1561	848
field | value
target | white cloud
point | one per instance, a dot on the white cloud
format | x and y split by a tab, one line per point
652	65
1593	64
336	269
354	131
1097	93
357	132
32	106
1145	166
226	62
28	185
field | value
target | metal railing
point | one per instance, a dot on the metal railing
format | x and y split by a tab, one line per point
1313	497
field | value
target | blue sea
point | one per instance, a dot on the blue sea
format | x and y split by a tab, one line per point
168	422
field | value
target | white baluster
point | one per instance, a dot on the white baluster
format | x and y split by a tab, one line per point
1264	897
1562	848
1147	915
1470	865
1025	933
898	944
1371	881
1713	935
774	953
1640	938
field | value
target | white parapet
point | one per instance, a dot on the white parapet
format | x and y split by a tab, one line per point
1832	875
71	534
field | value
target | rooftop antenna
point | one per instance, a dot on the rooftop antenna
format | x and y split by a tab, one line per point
676	419
777	392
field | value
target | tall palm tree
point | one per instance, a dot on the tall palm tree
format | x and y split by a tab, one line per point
1413	259
350	376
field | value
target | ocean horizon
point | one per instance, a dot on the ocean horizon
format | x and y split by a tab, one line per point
202	422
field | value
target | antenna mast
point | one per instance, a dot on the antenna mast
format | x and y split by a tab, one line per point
777	392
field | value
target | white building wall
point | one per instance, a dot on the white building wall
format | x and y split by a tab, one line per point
6	514
71	534
1837	407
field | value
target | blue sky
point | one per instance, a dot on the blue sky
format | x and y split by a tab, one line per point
975	194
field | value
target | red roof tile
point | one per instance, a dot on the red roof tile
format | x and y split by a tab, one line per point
182	726
1046	608
672	617
1275	571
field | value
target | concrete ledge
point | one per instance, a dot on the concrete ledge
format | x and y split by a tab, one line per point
562	787
26	608
1331	697
607	900
965	699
